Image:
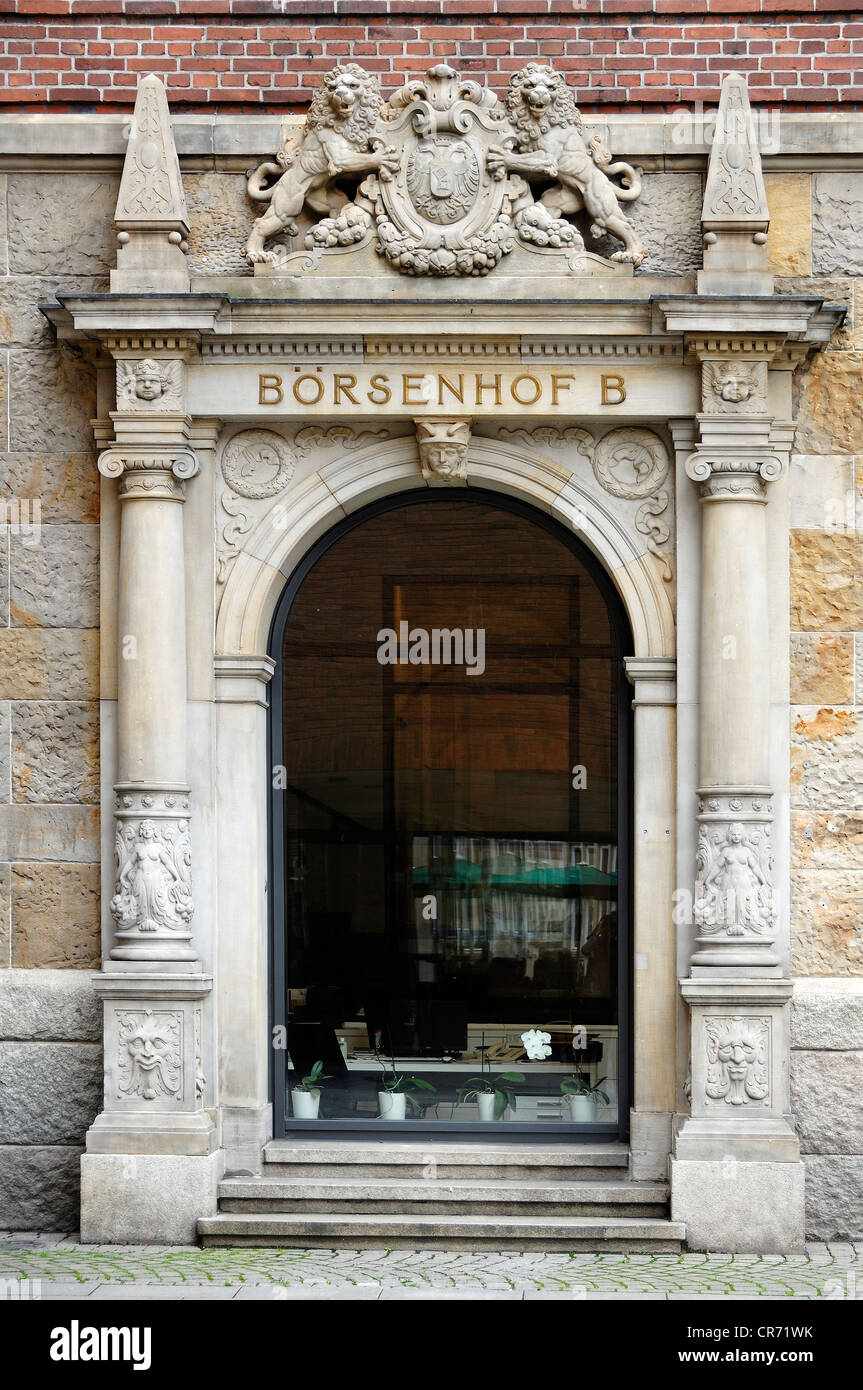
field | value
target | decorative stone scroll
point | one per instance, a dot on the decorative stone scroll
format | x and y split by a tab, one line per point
443	446
448	172
738	1059
159	471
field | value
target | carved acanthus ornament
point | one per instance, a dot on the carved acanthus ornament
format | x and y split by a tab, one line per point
448	179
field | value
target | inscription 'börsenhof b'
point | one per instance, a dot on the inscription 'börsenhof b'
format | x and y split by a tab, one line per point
434	388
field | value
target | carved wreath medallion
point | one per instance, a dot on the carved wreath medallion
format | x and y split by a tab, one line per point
258	464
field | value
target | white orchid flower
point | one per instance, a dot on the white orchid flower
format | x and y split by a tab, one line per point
536	1044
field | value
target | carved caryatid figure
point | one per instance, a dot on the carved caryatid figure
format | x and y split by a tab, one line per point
732	890
550	144
736	1060
152	890
341	136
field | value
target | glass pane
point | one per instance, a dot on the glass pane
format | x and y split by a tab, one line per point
450	743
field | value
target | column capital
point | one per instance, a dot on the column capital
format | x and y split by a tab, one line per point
150	470
735	457
654	679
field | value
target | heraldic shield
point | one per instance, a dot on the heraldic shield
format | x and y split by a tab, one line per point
443	212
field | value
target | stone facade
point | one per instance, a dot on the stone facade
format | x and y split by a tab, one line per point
57	238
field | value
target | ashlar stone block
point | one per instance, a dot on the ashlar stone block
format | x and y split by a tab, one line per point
837	221
826	582
61	223
789	239
55	916
822	668
56	583
830	403
55	752
53	400
51	1091
66	485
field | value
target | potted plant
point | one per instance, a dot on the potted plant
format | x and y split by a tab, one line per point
394	1095
306	1095
492	1093
583	1098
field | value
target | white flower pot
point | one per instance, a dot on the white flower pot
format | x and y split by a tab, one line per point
392	1105
486	1106
582	1110
305	1104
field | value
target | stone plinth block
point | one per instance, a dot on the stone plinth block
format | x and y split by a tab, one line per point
41	1187
745	1208
47	1005
147	1198
834	1197
50	1093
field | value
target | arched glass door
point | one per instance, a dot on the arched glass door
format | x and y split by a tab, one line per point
450	827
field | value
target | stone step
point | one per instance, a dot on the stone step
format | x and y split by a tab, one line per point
380	1196
448	1232
442	1160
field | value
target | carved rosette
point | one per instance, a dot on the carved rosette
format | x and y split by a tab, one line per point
152	905
734	895
738	1059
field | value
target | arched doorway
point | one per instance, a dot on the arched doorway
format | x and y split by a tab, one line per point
450	868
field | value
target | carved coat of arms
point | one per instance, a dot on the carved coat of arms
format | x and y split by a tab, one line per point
446	171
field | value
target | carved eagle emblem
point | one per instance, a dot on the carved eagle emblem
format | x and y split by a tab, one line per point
442	179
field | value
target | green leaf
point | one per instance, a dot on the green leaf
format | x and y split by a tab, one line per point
500	1102
511	1075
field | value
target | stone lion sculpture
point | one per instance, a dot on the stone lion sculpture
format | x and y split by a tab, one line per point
549	143
339	138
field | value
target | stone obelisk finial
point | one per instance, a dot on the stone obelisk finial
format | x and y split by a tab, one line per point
151	219
734	216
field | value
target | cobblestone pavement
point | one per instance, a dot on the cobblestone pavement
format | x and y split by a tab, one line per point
38	1265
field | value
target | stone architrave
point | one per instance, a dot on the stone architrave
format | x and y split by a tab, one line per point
151	219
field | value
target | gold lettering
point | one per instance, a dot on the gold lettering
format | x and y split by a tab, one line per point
560	382
537	391
613	383
493	385
319	387
411	382
457	391
344	381
270	390
379	383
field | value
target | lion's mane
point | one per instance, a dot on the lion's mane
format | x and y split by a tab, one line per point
358	129
562	111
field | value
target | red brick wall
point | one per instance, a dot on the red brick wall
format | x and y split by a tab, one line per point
244	54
